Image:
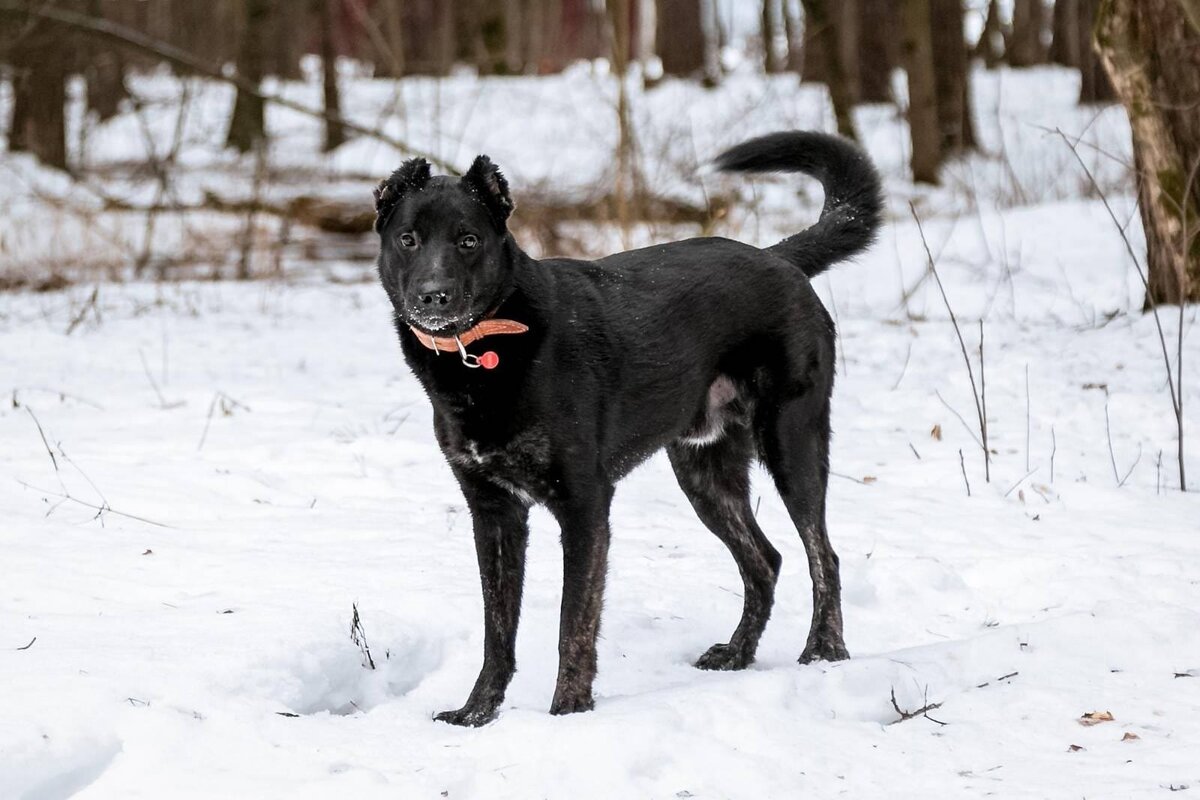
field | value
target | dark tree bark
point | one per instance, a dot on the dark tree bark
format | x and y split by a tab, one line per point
428	40
327	21
583	30
993	41
545	50
772	22
817	15
247	125
391	25
847	23
104	71
794	29
1064	47
813	62
952	77
679	38
876	50
1151	49
917	44
1095	87
1026	47
38	123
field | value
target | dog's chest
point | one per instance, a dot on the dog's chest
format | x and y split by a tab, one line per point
520	464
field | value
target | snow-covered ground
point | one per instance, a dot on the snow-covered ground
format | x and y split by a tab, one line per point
265	461
284	469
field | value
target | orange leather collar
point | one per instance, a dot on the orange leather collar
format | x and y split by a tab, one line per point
488	327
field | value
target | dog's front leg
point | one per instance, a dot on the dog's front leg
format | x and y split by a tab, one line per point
501	534
585	537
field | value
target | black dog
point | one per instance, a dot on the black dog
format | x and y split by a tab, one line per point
718	351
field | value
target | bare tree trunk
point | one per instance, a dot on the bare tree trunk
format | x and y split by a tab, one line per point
1095	86
849	33
551	49
917	47
583	30
247	124
816	15
772	13
993	42
795	38
428	40
875	50
38	123
814	64
952	77
1064	48
104	71
618	13
335	133
393	34
1026	47
287	31
680	40
514	40
1152	53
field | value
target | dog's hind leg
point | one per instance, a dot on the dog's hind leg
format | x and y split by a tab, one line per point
794	438
716	479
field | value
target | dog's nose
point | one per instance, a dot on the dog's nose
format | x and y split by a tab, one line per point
435	298
432	297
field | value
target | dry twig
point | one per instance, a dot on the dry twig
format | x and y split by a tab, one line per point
980	397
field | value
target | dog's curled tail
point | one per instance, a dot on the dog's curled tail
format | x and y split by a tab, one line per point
853	193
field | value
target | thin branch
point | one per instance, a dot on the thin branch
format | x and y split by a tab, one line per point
1020	481
1053	451
1112	457
1176	397
923	711
90	305
162	401
1027	416
45	441
952	410
962	464
359	637
102	509
979	408
987	455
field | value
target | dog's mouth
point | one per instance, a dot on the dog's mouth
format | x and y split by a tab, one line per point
446	326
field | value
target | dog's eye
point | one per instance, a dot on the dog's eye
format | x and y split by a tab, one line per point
469	242
408	240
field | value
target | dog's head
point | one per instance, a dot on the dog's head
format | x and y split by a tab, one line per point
445	255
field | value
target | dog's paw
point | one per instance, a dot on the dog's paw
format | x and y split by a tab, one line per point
467	716
724	657
824	650
571	703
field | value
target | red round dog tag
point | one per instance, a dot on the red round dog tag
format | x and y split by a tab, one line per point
489	360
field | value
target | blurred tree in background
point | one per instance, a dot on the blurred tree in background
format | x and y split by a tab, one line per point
1152	51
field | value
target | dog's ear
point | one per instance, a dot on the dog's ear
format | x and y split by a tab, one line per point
485	180
412	176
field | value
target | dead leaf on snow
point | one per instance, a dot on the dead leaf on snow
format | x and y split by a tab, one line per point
936	432
1074	748
869	479
1095	718
1130	736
